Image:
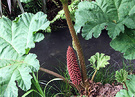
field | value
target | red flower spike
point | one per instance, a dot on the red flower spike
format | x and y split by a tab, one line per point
73	67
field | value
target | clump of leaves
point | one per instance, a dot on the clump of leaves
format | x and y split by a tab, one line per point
17	37
116	16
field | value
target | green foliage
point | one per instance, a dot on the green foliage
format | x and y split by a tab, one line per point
125	43
94	16
130	82
91	21
41	88
113	15
38	89
33	6
16	39
72	8
121	76
20	34
65	88
99	60
105	75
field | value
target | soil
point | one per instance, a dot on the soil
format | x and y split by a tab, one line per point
99	90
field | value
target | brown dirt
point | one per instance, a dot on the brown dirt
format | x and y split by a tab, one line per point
100	90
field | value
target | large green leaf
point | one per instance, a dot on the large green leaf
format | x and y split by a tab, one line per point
17	69
84	14
16	37
130	82
125	43
130	21
21	32
112	14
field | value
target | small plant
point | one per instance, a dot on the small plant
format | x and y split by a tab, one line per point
121	76
98	61
128	81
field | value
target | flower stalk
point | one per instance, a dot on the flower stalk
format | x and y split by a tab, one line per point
76	41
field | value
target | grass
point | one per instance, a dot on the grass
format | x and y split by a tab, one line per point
56	87
107	74
52	88
65	88
41	88
128	66
36	89
103	75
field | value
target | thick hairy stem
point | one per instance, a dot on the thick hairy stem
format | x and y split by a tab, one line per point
59	76
76	42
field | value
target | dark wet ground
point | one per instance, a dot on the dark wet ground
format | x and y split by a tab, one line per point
51	51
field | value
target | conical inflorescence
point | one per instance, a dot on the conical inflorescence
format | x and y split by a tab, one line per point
73	67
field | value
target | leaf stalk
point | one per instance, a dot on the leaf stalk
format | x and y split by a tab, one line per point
76	42
59	76
94	75
125	86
